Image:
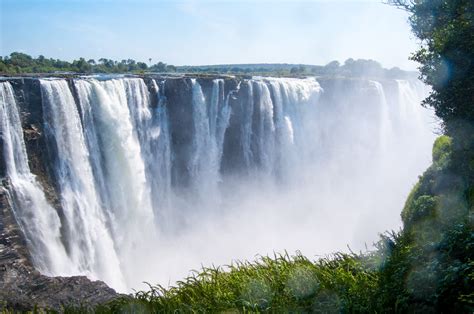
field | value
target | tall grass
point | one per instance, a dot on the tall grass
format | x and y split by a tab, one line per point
282	283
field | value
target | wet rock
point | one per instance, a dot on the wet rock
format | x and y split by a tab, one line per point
22	288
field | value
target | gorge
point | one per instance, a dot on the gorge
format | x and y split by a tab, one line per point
127	179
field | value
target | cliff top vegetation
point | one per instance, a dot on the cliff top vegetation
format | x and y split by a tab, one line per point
21	63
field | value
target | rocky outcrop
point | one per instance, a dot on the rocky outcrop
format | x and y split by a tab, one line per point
13	247
233	158
28	96
179	98
22	287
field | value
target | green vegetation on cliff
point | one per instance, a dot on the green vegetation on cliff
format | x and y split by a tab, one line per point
432	264
350	68
21	63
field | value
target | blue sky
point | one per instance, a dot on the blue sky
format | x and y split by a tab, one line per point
208	32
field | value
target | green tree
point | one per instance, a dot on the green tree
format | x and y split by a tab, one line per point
171	68
430	267
82	65
142	66
159	67
446	30
21	60
332	67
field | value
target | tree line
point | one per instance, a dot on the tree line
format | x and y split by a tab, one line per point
18	63
21	63
350	68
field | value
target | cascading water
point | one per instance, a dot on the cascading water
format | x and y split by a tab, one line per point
385	127
408	95
272	164
88	240
38	220
293	99
223	118
203	164
247	107
211	119
120	147
265	131
160	153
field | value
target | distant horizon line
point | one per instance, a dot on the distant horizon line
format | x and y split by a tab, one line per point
220	64
289	64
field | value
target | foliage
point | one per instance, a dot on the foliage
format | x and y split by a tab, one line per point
18	63
435	250
350	68
441	150
431	265
280	283
446	29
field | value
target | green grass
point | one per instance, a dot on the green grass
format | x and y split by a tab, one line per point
342	283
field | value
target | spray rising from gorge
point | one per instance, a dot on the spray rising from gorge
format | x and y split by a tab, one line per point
156	176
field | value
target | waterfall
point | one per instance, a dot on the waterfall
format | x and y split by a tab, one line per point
160	152
280	129
36	217
384	120
224	119
292	99
210	121
265	131
409	96
214	105
92	140
119	145
269	163
247	107
88	241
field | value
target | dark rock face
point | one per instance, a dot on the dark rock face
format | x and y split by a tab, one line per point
23	288
179	103
13	247
181	125
28	97
233	158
